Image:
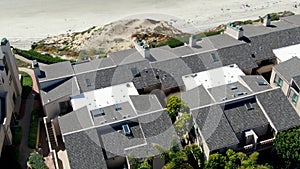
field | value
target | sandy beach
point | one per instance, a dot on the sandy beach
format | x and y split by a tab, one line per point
26	21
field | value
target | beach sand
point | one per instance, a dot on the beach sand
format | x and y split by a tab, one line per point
26	21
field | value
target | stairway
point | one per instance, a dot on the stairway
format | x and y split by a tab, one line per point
51	135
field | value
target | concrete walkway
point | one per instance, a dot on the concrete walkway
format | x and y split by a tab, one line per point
27	60
25	124
24	150
31	73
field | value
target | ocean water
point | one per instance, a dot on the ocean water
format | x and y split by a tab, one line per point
36	19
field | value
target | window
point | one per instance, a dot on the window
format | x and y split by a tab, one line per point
295	98
214	57
88	82
278	80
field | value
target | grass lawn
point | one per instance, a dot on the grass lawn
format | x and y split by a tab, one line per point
36	114
26	84
16	135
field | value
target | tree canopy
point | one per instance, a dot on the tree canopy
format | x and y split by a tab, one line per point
232	160
176	105
287	145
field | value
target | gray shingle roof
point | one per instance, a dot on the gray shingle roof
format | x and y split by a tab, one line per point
197	97
170	72
163	53
145	103
155	123
242	119
56	70
252	82
112	115
65	89
238	54
98	79
295	19
195	63
214	127
84	150
115	141
224	92
126	56
223	41
76	120
146	79
92	65
289	68
282	115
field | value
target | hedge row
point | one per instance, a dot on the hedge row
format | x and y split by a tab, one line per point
36	114
43	58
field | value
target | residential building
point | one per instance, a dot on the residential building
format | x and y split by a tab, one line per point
286	76
10	92
216	76
244	116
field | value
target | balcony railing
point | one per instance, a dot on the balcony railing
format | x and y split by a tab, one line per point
265	144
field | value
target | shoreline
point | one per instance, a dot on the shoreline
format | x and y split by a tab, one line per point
36	24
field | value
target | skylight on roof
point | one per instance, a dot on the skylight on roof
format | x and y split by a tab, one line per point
249	106
88	82
262	83
232	86
126	129
97	112
214	57
239	93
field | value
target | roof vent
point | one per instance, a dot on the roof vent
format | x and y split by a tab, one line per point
267	20
192	41
126	130
117	107
135	72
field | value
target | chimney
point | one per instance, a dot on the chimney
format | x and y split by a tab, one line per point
142	49
234	31
36	68
267	20
192	41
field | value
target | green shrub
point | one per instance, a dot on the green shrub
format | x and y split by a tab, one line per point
36	114
36	161
16	135
33	55
26	84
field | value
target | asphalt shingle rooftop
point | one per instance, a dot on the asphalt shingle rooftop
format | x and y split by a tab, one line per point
56	71
289	68
252	81
197	97
84	150
214	127
145	103
241	119
282	115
